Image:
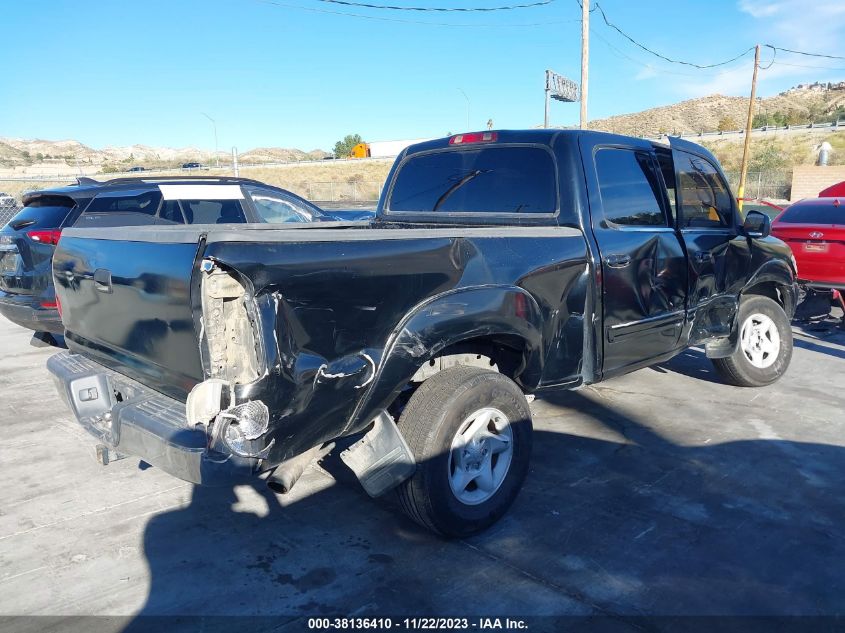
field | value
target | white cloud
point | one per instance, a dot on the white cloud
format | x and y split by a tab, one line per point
647	72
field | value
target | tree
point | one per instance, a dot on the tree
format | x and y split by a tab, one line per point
343	148
727	124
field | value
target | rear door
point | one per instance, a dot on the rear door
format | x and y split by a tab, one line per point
719	256
27	243
642	258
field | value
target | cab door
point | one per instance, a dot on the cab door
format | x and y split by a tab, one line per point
643	265
709	225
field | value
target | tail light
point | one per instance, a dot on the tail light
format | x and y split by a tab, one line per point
474	137
48	236
50	304
59	307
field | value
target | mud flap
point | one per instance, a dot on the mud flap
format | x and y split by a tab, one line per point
381	459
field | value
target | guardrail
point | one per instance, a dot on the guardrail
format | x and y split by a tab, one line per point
840	124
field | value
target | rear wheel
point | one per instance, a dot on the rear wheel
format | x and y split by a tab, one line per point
765	345
470	432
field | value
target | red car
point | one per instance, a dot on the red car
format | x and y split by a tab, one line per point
815	231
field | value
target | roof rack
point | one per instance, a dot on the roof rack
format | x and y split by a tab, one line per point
154	179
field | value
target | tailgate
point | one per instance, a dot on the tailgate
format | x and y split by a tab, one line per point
127	304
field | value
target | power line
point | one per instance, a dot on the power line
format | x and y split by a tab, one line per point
364	5
406	21
662	71
814	67
661	56
789	50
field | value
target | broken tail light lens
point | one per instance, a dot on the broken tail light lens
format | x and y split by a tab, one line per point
48	236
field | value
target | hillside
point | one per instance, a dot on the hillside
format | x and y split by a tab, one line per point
706	113
56	157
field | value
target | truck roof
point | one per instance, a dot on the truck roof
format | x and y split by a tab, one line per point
552	136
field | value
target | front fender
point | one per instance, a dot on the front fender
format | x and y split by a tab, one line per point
447	319
778	272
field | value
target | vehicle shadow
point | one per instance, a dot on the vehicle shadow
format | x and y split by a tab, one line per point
615	519
691	362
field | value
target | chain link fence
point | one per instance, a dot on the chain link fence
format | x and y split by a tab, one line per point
771	185
8	209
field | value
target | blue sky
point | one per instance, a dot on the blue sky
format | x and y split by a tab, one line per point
279	74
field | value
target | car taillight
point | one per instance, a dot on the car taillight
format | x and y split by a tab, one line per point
474	137
59	307
48	236
50	304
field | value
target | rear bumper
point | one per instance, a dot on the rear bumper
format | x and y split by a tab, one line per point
141	422
26	311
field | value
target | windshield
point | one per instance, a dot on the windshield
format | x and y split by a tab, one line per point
503	179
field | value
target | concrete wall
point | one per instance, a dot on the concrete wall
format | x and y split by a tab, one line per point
808	180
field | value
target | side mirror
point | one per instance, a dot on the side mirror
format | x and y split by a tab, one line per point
757	225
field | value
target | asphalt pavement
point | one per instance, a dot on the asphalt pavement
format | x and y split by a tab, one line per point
661	493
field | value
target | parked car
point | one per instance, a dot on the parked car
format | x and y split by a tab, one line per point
500	264
834	191
814	229
136	168
27	243
6	200
191	165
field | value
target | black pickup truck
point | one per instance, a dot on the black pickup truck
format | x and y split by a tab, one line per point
499	264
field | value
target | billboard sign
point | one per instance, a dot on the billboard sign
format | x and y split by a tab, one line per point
560	88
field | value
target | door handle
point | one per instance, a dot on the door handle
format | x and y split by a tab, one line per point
703	256
617	260
102	280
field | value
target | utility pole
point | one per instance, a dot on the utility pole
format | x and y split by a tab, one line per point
585	58
744	169
214	124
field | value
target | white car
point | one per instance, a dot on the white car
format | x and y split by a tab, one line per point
7	201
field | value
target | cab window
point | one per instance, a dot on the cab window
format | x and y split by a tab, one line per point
704	198
631	192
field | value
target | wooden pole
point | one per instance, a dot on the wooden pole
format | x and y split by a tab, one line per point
744	169
585	58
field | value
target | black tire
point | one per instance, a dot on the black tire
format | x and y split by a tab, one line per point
738	369
430	421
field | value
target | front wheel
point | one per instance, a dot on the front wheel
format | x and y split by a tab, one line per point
470	432
765	345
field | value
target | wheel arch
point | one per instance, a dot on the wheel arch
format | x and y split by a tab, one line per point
502	320
775	281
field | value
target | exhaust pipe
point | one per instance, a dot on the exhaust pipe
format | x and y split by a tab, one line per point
285	475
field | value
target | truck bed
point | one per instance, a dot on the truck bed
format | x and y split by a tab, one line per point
330	307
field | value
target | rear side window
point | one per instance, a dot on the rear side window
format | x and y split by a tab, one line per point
47	212
704	198
629	187
813	214
504	179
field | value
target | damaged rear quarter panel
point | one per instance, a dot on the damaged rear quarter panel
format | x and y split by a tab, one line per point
345	324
